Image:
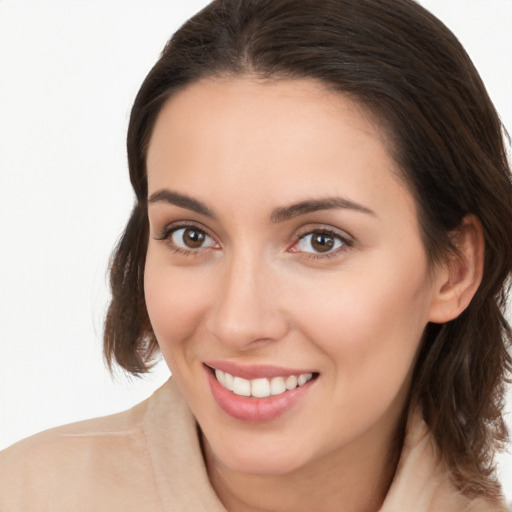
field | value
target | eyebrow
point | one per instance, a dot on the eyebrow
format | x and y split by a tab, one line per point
181	200
328	203
280	214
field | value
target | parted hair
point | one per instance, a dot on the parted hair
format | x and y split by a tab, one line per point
411	73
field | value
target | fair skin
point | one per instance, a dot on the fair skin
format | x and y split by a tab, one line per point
339	289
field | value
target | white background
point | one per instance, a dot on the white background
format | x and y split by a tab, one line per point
69	72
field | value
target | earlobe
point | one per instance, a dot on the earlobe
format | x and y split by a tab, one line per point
458	278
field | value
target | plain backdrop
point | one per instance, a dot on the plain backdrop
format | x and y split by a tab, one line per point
69	72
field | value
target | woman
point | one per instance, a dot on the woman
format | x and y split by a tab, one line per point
318	248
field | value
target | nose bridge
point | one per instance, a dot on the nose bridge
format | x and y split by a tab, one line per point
247	307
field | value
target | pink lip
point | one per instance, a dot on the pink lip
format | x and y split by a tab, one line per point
256	410
255	371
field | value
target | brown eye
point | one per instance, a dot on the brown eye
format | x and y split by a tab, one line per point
318	242
322	242
191	238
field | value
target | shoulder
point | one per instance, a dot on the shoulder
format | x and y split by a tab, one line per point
145	459
84	460
423	482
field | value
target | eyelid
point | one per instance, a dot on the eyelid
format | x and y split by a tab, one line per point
346	239
166	232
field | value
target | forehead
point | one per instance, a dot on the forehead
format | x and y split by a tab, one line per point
294	107
275	140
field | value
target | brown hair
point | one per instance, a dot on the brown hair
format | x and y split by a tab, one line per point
409	70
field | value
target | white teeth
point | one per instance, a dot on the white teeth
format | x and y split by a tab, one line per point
261	388
291	382
221	377
241	386
304	378
229	381
226	379
277	386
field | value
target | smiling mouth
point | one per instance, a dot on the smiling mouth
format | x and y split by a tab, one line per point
261	387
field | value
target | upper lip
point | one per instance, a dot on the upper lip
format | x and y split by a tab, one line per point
250	372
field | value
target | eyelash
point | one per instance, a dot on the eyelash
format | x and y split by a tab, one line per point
166	235
347	243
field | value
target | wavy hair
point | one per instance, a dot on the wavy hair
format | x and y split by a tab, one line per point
406	68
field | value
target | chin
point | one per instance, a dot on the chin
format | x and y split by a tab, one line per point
261	458
273	465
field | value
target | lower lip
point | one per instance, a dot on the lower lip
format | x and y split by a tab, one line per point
255	410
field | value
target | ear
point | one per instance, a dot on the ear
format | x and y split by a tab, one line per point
458	277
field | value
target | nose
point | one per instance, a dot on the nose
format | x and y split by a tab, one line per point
247	311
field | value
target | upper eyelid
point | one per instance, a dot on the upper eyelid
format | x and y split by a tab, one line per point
167	229
344	239
348	241
325	228
166	235
299	233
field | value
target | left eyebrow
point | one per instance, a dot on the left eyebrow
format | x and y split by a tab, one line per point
330	203
181	200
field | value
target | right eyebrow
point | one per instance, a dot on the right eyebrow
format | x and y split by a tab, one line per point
165	195
284	213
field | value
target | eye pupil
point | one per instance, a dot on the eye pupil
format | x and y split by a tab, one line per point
193	238
322	242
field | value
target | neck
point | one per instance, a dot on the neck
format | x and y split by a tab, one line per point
357	478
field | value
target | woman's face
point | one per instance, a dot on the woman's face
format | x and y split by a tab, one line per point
285	251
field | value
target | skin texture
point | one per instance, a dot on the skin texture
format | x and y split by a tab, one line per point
256	291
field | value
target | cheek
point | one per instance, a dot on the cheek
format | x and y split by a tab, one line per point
368	324
175	301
